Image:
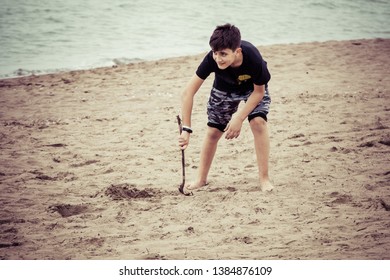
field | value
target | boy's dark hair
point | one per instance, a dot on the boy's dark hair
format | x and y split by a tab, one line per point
225	36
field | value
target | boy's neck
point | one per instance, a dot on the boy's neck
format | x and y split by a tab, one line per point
238	61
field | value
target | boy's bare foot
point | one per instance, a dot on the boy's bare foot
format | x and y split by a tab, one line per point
266	186
196	185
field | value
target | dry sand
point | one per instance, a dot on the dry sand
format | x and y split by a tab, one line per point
90	165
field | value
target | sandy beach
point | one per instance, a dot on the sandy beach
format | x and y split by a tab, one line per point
90	164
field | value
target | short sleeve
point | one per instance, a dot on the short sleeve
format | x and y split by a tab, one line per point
261	75
206	67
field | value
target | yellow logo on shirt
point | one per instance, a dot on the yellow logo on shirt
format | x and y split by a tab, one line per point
243	78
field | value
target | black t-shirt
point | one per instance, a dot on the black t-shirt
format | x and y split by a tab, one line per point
253	70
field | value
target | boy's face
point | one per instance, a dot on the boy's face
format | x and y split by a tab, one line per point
226	57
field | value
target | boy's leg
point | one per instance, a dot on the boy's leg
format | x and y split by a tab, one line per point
262	146
206	156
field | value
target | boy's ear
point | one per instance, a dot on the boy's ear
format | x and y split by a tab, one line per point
238	51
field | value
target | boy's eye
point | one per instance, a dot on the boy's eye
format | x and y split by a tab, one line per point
223	54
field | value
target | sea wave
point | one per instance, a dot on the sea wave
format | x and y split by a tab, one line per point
52	35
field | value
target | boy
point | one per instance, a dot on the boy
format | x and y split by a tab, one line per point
240	75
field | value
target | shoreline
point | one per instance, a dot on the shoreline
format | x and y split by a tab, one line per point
90	164
116	62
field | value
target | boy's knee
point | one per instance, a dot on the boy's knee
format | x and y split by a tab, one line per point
214	134
258	124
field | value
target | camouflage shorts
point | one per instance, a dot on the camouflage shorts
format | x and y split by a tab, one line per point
222	105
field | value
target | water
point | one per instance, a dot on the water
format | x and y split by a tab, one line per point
43	36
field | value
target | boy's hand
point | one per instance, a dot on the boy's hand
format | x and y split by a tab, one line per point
233	128
184	140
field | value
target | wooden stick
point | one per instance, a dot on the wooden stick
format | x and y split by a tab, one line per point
181	188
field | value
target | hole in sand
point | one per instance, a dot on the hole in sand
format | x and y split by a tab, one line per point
126	191
343	199
7	245
67	210
385	142
385	205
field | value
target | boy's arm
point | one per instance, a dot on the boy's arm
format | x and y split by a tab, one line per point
233	128
187	103
188	98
